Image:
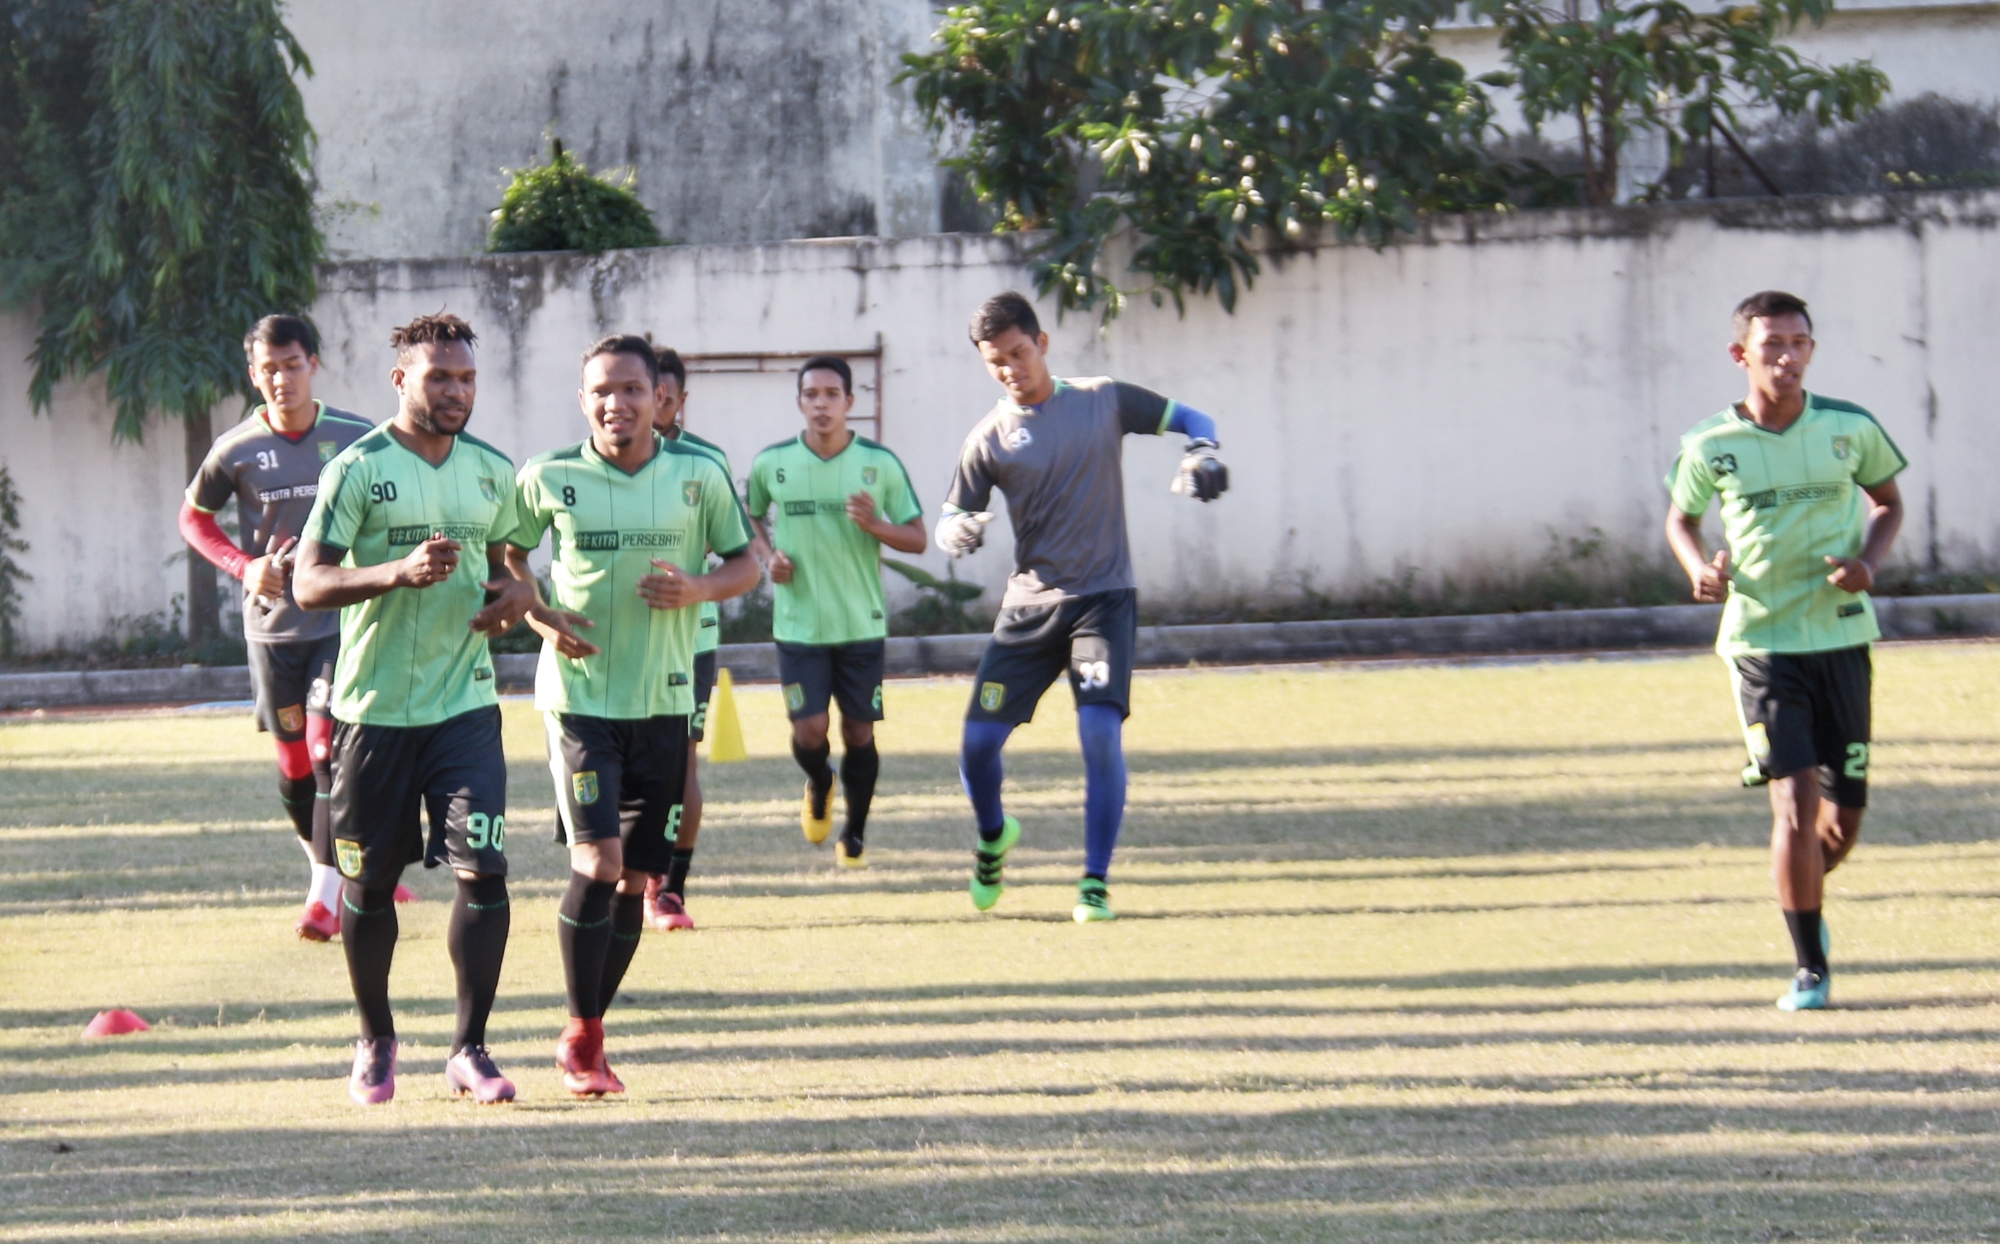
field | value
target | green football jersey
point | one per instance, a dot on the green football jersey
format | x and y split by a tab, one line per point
835	596
410	656
709	637
1790	500
609	528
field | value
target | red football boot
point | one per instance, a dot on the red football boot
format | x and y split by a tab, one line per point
580	1058
317	924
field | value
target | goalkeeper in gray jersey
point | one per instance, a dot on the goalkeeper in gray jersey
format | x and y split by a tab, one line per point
1055	448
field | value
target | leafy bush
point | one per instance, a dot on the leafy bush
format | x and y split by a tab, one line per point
1926	143
940	607
563	206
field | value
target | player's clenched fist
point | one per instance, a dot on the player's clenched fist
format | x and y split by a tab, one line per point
1711	586
266	576
670	588
433	561
962	533
782	567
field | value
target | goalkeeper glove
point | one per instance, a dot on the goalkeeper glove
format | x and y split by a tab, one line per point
961	533
1201	475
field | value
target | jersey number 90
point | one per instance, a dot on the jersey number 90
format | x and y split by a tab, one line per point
384	491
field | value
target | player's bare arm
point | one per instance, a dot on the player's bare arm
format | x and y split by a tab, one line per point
555	625
512	600
907	537
1885	519
1709	577
321	582
670	587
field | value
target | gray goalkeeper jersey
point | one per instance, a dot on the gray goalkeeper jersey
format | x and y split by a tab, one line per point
1061	466
274	478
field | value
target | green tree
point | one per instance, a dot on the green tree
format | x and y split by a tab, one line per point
1617	68
154	202
1202	125
563	206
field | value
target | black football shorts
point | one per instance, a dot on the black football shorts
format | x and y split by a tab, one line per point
704	690
620	779
1808	710
817	674
1091	637
454	771
281	682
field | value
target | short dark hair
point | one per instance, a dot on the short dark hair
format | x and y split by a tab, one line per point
625	343
1001	312
1764	303
429	330
669	362
828	362
282	330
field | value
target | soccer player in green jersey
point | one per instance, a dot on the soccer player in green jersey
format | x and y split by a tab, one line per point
270	465
417	723
838	499
1056	449
666	894
1809	509
635	517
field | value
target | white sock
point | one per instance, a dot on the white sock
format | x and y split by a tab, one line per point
326	883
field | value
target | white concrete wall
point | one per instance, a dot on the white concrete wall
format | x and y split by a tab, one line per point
745	119
1443	404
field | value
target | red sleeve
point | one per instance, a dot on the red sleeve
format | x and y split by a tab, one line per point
206	537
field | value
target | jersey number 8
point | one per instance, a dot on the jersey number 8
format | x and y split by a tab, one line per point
569	495
384	491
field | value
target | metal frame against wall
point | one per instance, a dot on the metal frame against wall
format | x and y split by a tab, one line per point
775	361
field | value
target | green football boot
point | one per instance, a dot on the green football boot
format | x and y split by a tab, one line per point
1809	992
1093	902
989	860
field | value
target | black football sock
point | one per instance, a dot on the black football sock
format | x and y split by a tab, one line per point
858	770
628	921
818	772
1804	927
368	935
300	795
677	872
583	928
477	938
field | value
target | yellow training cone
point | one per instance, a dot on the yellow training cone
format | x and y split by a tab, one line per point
725	730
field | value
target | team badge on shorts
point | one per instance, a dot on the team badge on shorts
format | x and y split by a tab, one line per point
795	696
992	695
347	856
584	786
691	492
291	719
1758	739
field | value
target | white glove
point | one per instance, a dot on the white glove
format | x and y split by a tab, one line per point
1201	476
961	533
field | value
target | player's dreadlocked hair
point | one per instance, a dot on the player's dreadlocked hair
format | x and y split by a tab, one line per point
1001	312
1767	303
429	330
626	343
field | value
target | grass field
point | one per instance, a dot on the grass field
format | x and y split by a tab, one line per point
1409	953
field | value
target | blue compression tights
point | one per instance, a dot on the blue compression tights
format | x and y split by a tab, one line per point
1101	729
